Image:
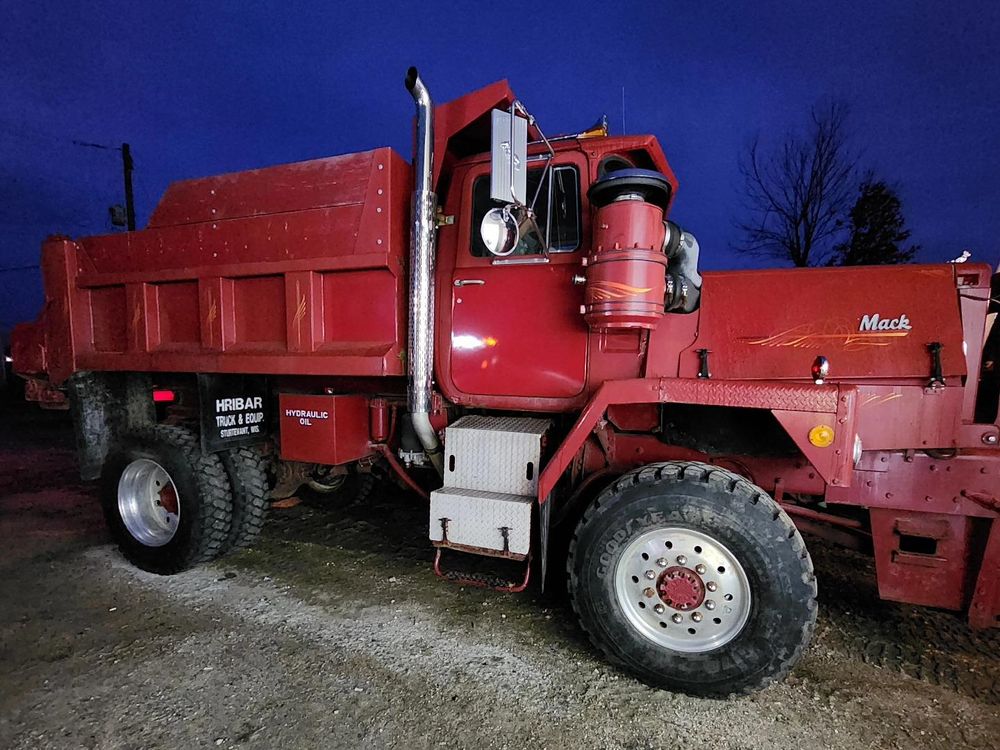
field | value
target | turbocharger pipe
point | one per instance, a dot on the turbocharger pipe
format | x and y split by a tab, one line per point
422	258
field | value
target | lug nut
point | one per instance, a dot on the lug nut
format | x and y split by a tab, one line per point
696	616
681	560
648	593
709	604
659	609
650	575
662	562
677	618
699	569
711	585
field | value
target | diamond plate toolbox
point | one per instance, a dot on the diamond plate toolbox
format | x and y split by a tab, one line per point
475	518
499	454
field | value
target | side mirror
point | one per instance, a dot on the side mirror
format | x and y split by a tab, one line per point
509	155
500	231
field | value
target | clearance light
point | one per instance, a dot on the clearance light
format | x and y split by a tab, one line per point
598	130
164	396
821	436
820	369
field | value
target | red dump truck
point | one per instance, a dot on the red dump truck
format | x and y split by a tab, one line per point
512	326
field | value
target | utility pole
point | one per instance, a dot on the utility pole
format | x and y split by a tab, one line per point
129	198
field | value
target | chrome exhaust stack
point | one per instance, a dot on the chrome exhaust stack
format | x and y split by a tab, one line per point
422	259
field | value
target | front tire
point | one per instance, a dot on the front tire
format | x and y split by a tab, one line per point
168	506
693	579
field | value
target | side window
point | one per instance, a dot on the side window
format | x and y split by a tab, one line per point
560	189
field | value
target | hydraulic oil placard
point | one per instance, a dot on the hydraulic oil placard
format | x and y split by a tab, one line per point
323	429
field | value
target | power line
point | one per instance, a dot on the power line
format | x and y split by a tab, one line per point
21	130
95	145
20	268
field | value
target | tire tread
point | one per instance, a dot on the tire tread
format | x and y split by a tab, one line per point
755	500
247	474
214	510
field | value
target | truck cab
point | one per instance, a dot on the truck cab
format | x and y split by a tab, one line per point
511	335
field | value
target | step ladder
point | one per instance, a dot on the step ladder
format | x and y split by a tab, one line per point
491	467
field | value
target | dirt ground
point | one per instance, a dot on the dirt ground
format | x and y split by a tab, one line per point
334	632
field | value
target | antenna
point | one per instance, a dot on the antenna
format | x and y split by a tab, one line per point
624	129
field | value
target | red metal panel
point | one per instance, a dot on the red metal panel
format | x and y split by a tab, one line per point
260	314
467	117
323	429
107	310
349	322
920	482
178	319
144	327
257	245
216	309
985	607
271	190
303	296
772	324
935	578
67	317
832	462
895	416
516	334
639	148
27	347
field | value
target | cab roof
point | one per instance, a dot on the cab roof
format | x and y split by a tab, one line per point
462	132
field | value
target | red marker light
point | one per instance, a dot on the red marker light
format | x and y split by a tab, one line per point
163	396
820	369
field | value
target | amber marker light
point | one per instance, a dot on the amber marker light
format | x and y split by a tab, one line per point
821	436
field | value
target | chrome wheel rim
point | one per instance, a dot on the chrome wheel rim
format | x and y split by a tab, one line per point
148	502
682	589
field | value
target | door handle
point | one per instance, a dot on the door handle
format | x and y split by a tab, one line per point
469	282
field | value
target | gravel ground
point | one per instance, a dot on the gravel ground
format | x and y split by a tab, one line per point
334	632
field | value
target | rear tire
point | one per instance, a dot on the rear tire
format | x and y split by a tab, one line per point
731	602
247	473
168	506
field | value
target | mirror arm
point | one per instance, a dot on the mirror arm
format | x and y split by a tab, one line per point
548	214
516	106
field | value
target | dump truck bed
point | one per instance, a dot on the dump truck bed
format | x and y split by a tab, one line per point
293	269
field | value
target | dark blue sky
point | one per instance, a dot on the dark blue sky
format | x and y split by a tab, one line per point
199	88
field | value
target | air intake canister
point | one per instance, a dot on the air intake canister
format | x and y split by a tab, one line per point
626	273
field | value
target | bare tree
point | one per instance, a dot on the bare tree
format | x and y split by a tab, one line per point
797	196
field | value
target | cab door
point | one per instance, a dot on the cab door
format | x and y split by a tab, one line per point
516	327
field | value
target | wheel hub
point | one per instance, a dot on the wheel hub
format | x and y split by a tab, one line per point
681	588
148	502
168	499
